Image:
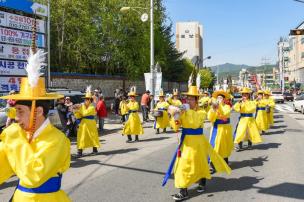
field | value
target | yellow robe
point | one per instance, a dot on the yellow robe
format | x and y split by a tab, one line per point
87	134
34	163
193	165
270	102
224	139
204	103
261	115
176	103
247	127
162	122
123	106
133	125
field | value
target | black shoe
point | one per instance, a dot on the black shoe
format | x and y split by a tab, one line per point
263	133
249	147
182	195
136	138
128	141
165	130
201	189
95	151
78	155
157	131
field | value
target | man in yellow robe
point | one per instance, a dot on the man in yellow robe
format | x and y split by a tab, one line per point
261	115
204	102
33	149
221	137
175	102
162	121
190	161
87	133
246	128
270	104
133	125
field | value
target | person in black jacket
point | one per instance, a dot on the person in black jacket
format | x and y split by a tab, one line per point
62	112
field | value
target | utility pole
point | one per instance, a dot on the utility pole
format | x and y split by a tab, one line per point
265	62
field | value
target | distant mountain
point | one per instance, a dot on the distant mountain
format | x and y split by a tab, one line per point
228	67
233	69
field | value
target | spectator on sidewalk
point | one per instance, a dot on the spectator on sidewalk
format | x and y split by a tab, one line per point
62	112
101	110
145	100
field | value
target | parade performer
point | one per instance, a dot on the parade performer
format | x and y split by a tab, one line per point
87	134
123	109
246	128
269	107
33	149
133	125
204	101
163	120
261	115
175	103
221	137
190	160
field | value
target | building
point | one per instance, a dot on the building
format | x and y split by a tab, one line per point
189	39
283	58
296	57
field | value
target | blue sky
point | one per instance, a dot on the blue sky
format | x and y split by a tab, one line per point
239	31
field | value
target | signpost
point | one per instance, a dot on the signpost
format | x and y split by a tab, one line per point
16	38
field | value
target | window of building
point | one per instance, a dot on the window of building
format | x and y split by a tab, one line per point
191	36
183	36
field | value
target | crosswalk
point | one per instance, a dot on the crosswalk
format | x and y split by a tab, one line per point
284	108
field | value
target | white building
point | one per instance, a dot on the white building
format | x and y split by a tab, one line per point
296	57
283	58
189	39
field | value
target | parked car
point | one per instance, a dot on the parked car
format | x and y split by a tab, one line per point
298	104
236	97
277	96
288	96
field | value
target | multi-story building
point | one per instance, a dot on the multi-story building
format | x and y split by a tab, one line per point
189	39
283	58
296	57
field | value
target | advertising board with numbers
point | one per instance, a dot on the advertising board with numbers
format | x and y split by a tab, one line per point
17	18
10	83
20	22
9	67
20	37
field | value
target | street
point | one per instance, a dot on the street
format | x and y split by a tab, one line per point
272	171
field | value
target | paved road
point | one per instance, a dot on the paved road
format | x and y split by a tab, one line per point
273	171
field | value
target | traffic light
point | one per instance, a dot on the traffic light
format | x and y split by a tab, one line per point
296	32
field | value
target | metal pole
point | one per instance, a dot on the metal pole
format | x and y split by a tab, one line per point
49	45
152	52
283	68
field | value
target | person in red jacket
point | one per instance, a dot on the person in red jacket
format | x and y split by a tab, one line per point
101	110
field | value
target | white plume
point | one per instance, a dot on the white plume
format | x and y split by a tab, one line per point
89	89
198	80
190	80
34	65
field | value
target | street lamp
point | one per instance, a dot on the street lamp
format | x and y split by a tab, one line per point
144	18
206	58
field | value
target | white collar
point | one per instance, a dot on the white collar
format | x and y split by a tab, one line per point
43	126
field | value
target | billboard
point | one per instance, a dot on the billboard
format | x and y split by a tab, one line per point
14	52
10	83
20	22
20	37
8	67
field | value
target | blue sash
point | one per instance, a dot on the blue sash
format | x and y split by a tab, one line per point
51	185
85	117
132	111
214	130
257	109
185	131
241	115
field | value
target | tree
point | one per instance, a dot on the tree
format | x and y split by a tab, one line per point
207	78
